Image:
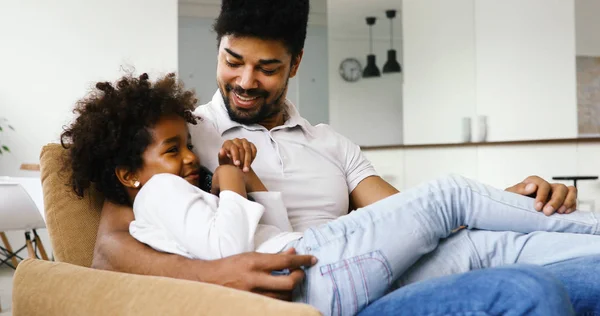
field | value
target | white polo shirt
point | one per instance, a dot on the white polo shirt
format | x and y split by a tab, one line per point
313	167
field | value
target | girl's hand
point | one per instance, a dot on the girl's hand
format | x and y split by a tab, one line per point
228	177
238	152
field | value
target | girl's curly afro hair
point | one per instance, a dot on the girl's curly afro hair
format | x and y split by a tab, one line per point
112	129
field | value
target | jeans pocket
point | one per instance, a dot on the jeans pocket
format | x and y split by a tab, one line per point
357	281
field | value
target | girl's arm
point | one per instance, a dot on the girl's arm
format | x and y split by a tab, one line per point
206	227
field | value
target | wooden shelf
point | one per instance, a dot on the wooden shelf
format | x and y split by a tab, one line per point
499	143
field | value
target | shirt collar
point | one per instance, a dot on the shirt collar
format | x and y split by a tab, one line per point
224	123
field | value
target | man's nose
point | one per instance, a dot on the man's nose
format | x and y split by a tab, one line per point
247	79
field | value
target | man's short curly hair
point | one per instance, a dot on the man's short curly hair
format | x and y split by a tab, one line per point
282	20
112	129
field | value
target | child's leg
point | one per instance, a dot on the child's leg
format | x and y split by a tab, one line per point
476	249
361	254
453	201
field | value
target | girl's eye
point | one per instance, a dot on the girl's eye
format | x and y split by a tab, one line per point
173	150
190	146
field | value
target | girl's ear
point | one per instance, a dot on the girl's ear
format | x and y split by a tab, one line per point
127	178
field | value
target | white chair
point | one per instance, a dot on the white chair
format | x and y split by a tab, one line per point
21	208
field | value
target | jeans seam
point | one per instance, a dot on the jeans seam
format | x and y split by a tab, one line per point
351	280
336	291
344	271
364	280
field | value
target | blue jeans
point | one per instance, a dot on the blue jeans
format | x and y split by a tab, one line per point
364	254
512	290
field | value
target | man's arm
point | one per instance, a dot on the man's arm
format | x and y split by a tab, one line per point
117	250
370	190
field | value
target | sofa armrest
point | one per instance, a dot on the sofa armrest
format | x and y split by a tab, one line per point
52	288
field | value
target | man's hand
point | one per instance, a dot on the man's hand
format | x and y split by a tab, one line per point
238	152
252	272
549	197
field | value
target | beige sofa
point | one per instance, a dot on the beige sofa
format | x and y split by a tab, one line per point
69	287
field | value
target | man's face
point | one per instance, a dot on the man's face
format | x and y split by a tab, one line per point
252	75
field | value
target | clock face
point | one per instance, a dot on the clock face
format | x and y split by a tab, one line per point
350	70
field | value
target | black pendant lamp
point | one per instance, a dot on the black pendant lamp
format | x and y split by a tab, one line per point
371	69
392	65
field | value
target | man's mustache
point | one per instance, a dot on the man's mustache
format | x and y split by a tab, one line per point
247	92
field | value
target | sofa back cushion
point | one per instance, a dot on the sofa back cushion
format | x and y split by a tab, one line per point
72	221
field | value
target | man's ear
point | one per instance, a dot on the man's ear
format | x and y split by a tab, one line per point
295	64
127	178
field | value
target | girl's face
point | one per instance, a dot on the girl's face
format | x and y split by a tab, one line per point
170	152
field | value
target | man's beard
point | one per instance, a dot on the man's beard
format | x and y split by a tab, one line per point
266	111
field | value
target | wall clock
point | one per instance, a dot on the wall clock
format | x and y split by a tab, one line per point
351	70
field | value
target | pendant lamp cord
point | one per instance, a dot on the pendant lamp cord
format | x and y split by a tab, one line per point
371	38
391	34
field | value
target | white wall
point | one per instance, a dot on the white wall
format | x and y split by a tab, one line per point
369	111
587	26
54	51
312	80
198	56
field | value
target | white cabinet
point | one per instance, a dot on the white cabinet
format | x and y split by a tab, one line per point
525	62
439	69
425	164
507	165
512	61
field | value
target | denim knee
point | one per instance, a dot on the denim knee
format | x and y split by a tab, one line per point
509	290
534	282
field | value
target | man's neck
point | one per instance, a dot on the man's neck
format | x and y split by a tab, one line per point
276	120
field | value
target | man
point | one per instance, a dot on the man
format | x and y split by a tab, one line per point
319	172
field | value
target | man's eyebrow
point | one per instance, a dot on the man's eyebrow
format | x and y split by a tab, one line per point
261	61
269	61
234	54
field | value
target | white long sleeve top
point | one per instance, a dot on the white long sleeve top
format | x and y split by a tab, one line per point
174	216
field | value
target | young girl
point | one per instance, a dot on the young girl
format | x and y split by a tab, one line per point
132	142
